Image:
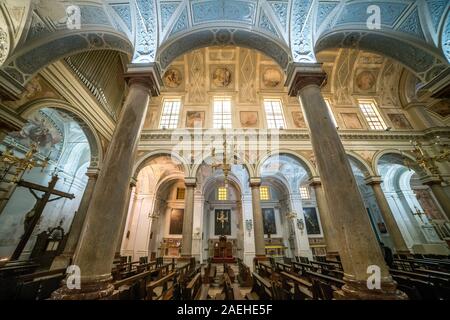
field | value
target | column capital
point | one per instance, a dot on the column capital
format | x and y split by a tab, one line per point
146	74
133	182
302	74
371	180
314	181
255	182
92	173
431	180
190	182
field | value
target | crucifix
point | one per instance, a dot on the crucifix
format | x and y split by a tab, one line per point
38	208
222	219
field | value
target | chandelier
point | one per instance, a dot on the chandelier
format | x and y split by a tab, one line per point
21	165
426	161
222	164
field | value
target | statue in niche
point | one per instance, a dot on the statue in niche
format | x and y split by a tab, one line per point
173	78
272	77
222	77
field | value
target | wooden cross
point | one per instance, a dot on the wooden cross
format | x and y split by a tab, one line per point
221	218
38	208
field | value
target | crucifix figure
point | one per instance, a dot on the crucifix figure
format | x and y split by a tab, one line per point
222	219
32	219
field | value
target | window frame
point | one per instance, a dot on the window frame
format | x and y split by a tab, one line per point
273	114
222	191
171	124
305	190
379	124
216	117
261	192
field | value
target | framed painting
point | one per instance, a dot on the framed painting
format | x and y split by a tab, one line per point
270	226
311	221
222	219
176	221
195	119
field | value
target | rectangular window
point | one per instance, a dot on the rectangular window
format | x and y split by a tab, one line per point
304	193
222	194
222	113
274	114
170	114
180	193
264	193
370	112
330	111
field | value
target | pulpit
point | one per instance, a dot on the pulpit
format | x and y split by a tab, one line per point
223	250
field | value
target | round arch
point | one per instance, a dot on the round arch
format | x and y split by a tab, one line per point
425	62
237	36
398	154
207	155
310	169
211	180
360	163
83	121
147	157
25	63
277	181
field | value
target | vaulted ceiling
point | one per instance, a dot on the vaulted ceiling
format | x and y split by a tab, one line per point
34	33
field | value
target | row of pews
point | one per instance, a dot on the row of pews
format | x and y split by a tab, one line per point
301	279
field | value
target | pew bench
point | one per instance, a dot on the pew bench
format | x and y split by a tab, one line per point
245	275
262	289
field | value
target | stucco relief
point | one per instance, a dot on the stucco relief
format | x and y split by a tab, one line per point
272	77
173	78
4	45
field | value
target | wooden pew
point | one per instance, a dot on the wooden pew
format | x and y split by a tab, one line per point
210	273
230	290
262	289
167	285
229	271
245	275
295	288
39	285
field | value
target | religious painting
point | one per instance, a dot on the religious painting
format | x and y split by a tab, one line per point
172	78
299	120
221	77
351	120
399	121
222	218
270	226
311	221
249	119
365	81
272	77
195	119
176	221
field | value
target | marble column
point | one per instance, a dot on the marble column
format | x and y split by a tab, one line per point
435	185
133	182
359	248
188	218
95	251
64	259
327	224
388	216
258	225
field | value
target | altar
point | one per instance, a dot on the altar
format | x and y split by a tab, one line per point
222	250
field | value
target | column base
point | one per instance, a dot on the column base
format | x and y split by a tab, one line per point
358	290
332	255
92	290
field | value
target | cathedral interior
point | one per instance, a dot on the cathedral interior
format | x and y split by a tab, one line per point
225	150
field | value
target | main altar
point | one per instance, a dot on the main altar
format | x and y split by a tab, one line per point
222	250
